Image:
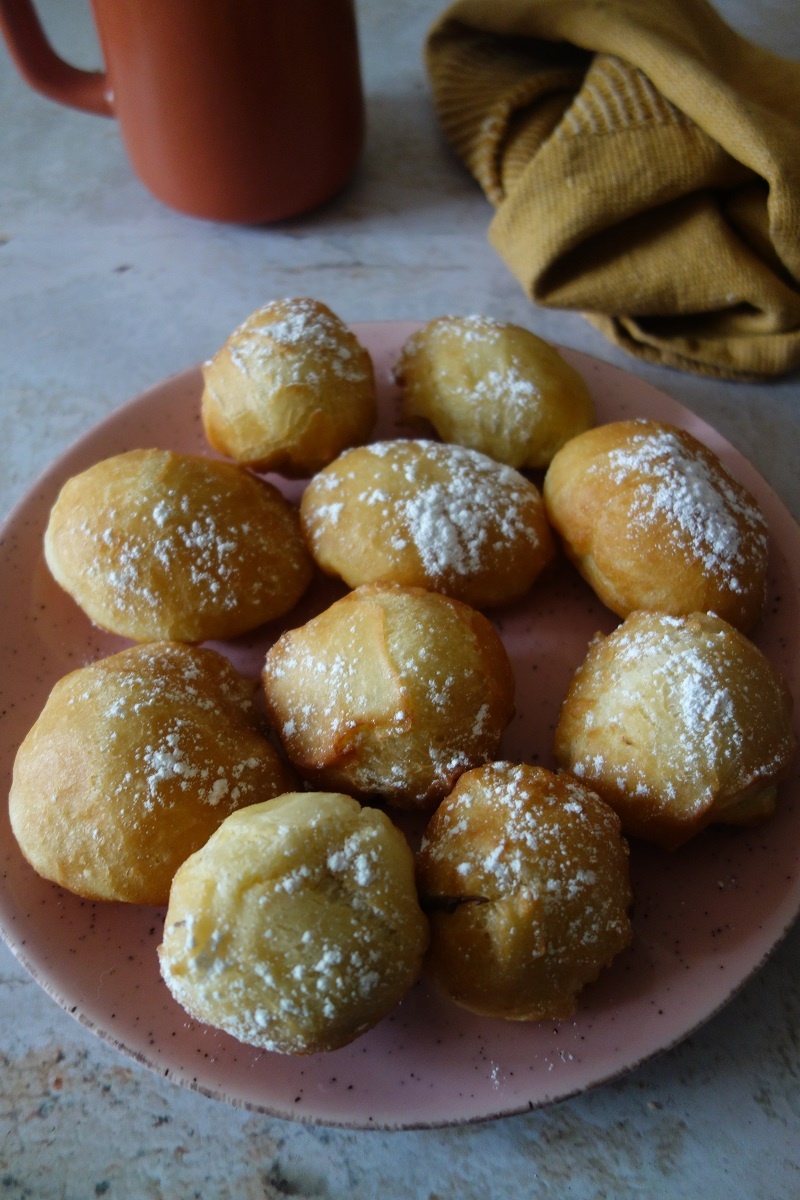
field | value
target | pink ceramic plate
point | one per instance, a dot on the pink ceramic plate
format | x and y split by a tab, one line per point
705	918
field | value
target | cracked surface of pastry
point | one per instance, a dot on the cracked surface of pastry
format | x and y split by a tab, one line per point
297	926
390	691
153	545
428	514
678	723
133	762
653	520
494	387
289	390
525	877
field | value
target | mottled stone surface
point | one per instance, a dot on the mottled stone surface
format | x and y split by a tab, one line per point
104	292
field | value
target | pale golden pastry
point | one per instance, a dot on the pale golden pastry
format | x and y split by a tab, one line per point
525	877
678	722
157	545
132	764
391	691
494	387
297	927
426	514
289	390
652	520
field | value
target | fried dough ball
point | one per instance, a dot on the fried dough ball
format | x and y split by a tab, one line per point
296	928
652	520
525	878
391	691
289	390
678	722
494	387
132	764
431	515
155	545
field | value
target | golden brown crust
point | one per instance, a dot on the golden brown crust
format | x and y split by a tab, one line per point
158	545
677	722
289	390
391	691
494	387
427	514
132	764
297	926
525	877
652	520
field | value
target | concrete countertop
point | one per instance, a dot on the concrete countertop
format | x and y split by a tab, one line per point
104	292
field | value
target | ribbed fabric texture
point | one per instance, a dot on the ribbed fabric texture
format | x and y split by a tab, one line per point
644	164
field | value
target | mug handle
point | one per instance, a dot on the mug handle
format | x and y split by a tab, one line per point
42	68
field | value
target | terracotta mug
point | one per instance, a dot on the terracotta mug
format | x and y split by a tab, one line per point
233	110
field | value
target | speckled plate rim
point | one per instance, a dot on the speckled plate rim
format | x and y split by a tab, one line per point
565	1058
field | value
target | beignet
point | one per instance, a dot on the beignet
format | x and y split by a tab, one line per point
131	765
525	878
494	387
677	722
157	545
289	390
652	520
296	927
427	514
390	691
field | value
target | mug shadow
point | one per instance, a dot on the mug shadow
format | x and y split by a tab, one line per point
406	168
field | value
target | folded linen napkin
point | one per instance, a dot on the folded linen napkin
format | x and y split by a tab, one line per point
644	163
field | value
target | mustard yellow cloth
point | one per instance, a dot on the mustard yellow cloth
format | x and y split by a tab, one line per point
644	163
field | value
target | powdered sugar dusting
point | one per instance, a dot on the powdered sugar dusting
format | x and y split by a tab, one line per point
514	832
316	340
681	709
703	507
186	717
154	538
453	504
159	544
389	690
506	385
474	327
303	942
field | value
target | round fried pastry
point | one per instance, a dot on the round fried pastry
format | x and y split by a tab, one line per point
677	722
494	387
390	691
133	762
155	545
525	878
297	927
652	520
428	514
289	390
